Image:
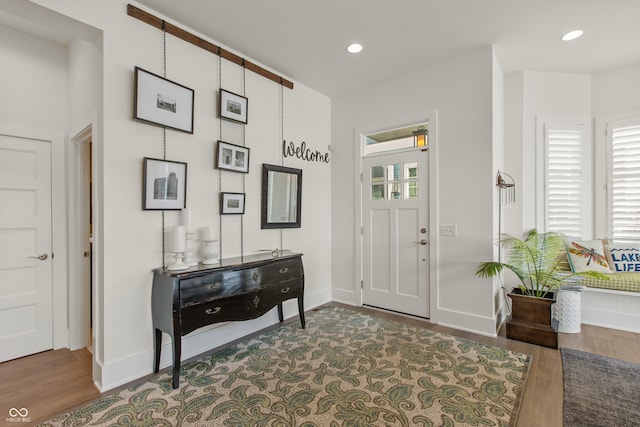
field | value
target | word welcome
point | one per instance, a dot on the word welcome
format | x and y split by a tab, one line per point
632	261
304	153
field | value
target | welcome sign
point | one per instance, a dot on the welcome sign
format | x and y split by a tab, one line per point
302	152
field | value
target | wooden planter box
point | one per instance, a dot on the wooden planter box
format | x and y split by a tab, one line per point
531	319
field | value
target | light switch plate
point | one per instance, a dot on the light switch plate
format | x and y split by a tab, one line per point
450	230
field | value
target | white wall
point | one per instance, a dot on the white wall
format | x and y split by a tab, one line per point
132	237
461	91
34	103
85	81
33	81
615	92
498	130
513	137
531	96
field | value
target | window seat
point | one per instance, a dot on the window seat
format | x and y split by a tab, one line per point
628	282
613	303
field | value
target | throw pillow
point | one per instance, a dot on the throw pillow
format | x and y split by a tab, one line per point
624	257
587	256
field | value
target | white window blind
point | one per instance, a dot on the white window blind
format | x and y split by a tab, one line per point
565	184
624	181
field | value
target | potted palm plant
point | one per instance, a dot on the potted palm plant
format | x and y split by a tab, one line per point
537	261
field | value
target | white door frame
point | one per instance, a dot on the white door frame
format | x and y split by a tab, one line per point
78	327
58	223
79	297
432	118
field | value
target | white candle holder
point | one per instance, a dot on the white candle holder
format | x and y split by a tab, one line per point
177	263
188	258
210	252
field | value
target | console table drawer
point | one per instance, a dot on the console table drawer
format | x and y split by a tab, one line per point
210	287
222	310
288	288
283	270
193	290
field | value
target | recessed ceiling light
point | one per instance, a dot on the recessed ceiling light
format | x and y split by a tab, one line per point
354	48
572	35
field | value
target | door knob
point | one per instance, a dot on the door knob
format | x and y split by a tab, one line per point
423	242
41	257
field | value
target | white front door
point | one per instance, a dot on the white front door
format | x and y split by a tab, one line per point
395	232
25	247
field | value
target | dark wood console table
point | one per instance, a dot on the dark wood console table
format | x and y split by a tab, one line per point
237	289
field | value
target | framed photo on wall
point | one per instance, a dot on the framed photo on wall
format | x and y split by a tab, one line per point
232	203
161	102
233	157
233	106
164	185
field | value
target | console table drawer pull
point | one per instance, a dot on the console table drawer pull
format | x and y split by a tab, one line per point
214	285
284	290
284	270
212	310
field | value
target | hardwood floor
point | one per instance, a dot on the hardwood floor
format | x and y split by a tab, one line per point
52	382
46	384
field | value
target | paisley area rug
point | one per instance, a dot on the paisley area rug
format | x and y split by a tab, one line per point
345	369
599	391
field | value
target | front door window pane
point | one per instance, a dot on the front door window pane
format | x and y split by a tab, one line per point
377	192
394	182
377	174
410	190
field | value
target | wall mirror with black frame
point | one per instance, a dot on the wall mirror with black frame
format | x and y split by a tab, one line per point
281	196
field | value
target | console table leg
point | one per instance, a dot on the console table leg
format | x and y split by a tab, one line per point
157	348
301	312
280	314
177	344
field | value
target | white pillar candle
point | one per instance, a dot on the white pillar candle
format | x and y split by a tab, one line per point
187	220
207	234
176	240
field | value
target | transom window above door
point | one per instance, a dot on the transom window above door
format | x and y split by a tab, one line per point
398	139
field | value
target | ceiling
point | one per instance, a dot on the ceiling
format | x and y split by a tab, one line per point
306	40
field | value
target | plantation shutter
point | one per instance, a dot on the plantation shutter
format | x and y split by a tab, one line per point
564	179
624	181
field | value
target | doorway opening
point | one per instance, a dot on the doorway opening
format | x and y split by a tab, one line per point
81	241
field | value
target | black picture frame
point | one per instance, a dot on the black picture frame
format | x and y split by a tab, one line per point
232	157
232	203
164	184
162	102
234	107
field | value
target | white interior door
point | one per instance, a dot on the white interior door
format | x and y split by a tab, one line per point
25	247
395	232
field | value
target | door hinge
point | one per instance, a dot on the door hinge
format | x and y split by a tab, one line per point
361	284
361	231
51	255
361	177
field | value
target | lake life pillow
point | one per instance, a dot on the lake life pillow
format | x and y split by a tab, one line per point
587	256
624	257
